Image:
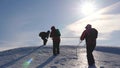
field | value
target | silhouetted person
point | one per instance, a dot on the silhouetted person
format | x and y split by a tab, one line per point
44	36
55	35
90	35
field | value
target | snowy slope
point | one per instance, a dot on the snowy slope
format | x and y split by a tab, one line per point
42	57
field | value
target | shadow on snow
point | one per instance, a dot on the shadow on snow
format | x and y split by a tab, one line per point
46	62
17	59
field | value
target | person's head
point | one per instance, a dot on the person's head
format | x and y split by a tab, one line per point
88	26
53	28
48	31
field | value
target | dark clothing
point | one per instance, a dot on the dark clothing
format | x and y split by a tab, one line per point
90	47
56	48
44	36
90	36
55	35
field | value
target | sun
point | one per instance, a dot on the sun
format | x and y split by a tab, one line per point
87	8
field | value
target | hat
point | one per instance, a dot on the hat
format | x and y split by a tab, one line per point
53	27
88	26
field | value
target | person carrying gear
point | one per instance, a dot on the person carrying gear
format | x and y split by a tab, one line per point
44	36
55	35
90	36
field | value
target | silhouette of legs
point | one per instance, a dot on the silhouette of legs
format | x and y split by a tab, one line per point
56	48
90	57
44	41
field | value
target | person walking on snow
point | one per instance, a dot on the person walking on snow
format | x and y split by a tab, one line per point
55	35
90	36
44	36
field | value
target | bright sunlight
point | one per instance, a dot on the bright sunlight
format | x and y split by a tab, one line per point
87	8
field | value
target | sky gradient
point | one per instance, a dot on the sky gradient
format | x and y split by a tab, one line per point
22	20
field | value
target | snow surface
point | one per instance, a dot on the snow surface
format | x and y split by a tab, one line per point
42	57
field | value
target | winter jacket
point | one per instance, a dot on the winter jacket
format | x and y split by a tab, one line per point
55	35
89	34
44	35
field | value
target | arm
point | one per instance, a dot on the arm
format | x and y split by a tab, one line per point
83	35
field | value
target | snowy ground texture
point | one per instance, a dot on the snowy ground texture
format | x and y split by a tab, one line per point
42	57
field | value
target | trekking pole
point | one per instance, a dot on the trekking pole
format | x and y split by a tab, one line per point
76	49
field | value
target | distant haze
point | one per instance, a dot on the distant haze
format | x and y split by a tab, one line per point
22	20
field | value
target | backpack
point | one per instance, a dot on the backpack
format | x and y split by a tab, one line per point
93	33
57	32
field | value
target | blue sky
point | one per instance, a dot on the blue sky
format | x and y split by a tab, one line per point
22	20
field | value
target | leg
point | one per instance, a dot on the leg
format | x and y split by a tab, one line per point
90	48
54	48
58	50
90	58
45	41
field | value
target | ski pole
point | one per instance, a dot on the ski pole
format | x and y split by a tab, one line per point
77	47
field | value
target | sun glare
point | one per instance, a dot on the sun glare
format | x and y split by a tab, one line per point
87	8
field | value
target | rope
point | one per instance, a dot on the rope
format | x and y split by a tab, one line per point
70	37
